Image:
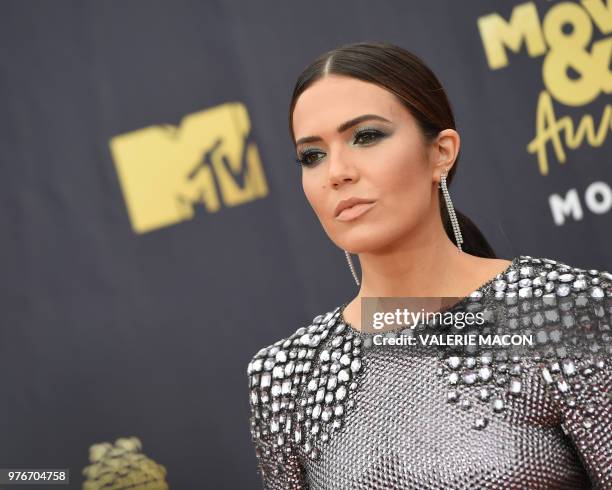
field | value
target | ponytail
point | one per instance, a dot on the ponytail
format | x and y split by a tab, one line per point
474	242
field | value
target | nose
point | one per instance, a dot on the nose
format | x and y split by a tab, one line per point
340	169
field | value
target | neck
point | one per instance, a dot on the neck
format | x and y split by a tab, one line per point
427	264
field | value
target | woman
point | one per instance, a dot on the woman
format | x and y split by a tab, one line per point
376	139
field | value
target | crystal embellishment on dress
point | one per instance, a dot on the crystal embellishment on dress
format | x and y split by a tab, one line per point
328	412
533	278
301	386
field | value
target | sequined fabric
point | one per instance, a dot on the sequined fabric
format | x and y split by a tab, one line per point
330	410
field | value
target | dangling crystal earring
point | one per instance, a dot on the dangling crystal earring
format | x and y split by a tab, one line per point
351	266
451	211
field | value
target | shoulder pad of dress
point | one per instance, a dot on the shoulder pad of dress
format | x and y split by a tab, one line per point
296	347
577	370
299	385
565	310
563	279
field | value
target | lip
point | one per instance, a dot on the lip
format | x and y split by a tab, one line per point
352	208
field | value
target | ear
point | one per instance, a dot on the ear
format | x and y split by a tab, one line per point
443	152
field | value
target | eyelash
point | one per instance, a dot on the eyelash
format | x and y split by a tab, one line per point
376	133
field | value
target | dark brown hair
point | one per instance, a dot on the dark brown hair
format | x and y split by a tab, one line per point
406	76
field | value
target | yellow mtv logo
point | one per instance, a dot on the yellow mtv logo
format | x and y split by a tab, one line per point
165	170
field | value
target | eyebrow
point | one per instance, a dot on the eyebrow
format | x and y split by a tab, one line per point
343	127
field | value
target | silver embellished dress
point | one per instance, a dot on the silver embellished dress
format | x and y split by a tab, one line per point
332	410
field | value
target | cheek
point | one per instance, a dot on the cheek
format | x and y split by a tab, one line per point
402	181
403	178
313	191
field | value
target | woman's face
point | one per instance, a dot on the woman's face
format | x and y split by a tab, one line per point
383	161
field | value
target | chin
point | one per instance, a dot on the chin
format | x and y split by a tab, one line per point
366	240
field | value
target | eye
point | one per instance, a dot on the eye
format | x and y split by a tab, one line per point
306	157
366	136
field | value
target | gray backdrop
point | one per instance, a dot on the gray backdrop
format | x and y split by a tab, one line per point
131	305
